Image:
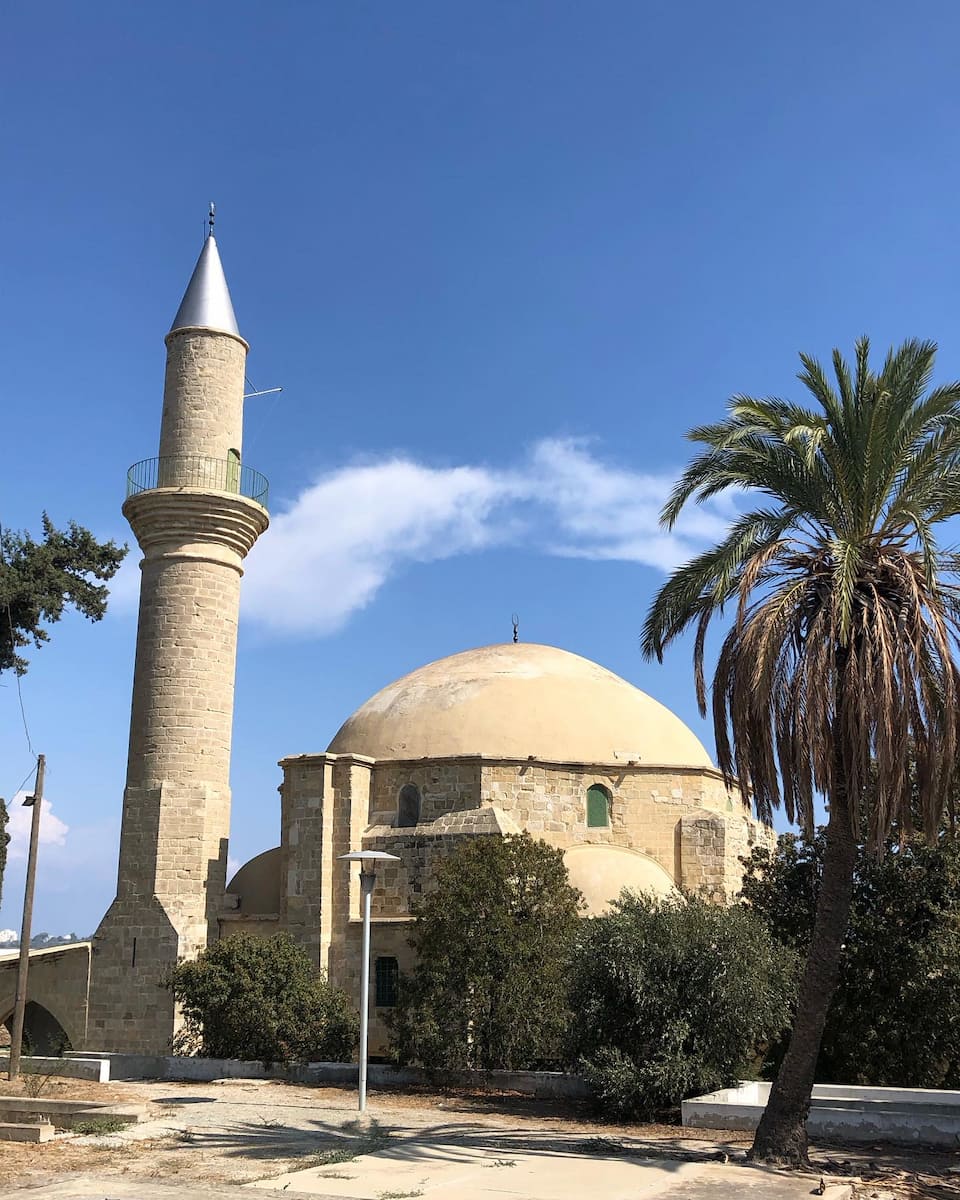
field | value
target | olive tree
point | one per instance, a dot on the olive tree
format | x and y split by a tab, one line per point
493	942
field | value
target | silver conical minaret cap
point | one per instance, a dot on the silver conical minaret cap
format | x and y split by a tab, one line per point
206	302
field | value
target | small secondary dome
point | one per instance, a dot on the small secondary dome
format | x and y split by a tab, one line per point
519	701
206	303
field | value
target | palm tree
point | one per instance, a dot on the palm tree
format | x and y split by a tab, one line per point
845	615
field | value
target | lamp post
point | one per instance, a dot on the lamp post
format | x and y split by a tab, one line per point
368	860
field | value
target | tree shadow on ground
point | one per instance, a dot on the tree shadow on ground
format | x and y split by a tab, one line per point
325	1143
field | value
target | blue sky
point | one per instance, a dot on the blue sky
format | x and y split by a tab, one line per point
500	257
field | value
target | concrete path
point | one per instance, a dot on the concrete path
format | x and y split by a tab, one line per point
245	1141
530	1178
114	1187
452	1172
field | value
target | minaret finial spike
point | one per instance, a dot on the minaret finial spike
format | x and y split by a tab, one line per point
516	628
206	302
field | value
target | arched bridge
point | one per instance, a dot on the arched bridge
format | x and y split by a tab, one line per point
55	1018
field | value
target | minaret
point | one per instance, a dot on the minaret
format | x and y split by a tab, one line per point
195	512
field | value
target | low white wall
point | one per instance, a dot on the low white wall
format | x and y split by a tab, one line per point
907	1116
74	1066
542	1084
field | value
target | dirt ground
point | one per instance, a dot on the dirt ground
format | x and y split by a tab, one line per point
50	1088
906	1186
244	1130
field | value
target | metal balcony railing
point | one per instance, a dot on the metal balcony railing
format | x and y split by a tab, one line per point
194	470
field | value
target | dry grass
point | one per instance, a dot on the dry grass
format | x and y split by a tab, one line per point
918	1187
67	1089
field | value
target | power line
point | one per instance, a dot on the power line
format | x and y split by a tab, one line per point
22	783
16	673
23	711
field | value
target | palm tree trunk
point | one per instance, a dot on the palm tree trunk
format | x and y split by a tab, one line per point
782	1133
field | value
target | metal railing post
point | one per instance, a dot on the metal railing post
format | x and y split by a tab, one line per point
194	470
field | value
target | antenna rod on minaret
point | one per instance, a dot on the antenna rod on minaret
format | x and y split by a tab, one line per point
211	217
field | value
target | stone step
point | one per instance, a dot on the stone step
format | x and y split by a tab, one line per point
64	1114
10	1132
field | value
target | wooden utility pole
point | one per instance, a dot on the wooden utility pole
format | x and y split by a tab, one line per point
20	1004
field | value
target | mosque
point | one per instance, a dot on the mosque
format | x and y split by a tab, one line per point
485	743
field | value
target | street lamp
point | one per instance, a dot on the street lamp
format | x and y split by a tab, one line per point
368	860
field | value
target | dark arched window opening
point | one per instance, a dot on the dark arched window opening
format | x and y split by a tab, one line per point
408	809
598	807
388	982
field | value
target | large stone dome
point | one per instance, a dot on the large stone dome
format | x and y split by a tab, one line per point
519	701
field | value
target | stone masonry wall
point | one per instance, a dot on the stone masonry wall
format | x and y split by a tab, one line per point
325	799
305	785
703	854
176	812
474	796
682	818
446	785
182	714
648	805
257	926
58	980
351	804
203	396
388	938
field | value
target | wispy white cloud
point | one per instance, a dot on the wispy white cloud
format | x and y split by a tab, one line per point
74	860
328	554
331	549
53	831
125	585
602	511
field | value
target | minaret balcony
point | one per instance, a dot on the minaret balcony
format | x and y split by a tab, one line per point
196	471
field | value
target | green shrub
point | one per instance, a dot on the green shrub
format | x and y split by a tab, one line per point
895	1016
100	1125
261	998
493	944
673	998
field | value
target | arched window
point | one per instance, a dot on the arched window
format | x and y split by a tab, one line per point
387	981
598	807
408	808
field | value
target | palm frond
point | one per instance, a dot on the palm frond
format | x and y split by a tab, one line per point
837	669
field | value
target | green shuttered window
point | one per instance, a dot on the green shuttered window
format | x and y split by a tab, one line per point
598	807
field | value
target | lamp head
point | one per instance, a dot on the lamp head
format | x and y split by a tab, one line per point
368	859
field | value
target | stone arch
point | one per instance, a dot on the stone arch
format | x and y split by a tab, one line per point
57	986
43	1035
